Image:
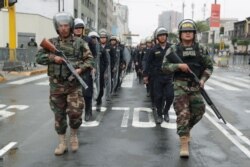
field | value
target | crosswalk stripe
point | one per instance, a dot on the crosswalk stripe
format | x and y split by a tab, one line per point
223	85
245	80
230	81
27	80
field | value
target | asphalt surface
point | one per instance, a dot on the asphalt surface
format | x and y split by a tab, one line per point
124	132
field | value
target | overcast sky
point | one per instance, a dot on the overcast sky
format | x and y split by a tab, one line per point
143	14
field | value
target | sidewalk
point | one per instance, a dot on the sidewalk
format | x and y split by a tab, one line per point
12	75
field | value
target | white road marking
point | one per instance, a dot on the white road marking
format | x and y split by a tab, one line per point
125	117
223	85
18	107
208	87
247	111
98	118
244	149
4	113
136	122
45	83
246	80
2	105
127	81
230	81
6	148
29	79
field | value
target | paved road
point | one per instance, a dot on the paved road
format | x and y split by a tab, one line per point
124	132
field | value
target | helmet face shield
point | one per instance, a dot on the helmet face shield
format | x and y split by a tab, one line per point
62	19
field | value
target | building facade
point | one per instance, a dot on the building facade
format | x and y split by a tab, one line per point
120	22
170	20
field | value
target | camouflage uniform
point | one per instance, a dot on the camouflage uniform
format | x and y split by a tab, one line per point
66	95
188	102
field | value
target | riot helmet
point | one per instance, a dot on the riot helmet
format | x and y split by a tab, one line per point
160	31
103	33
93	34
63	18
79	23
187	25
148	39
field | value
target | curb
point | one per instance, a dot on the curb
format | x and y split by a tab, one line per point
25	73
29	73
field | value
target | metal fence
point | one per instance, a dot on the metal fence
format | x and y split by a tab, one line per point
24	59
237	62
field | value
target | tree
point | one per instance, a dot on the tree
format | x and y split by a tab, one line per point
202	26
172	37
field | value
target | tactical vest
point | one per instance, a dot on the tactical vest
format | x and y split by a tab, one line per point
192	56
73	50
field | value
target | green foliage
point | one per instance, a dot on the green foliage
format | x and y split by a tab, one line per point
202	26
234	41
172	37
217	46
243	42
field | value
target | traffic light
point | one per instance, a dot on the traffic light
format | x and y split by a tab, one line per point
1	4
6	3
221	30
12	2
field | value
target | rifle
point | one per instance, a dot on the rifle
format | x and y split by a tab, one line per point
174	58
46	44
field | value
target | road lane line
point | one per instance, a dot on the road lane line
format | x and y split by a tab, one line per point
8	147
26	80
127	81
244	149
239	134
125	117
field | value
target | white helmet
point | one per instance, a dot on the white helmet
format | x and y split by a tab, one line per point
93	34
79	23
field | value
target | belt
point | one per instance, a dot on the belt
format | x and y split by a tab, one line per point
190	82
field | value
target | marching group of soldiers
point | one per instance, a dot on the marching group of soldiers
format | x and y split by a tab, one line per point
102	61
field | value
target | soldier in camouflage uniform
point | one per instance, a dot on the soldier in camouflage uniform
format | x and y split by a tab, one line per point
65	92
188	103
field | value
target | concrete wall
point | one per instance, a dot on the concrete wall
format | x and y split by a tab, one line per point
41	26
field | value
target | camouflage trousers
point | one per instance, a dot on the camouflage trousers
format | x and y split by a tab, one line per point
189	108
66	100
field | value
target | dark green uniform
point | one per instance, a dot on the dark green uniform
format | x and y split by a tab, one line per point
188	102
66	94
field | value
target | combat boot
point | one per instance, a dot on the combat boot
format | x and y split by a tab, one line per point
62	147
184	152
74	140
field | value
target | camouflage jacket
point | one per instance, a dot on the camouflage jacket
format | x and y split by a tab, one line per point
205	62
74	48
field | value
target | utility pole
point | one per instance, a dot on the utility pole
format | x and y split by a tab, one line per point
59	5
204	11
183	6
96	15
192	6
